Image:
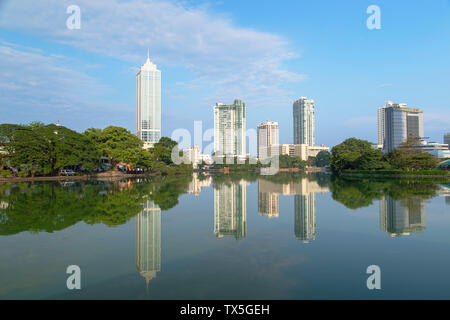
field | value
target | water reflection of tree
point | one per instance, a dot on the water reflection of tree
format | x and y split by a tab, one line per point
360	193
51	207
221	178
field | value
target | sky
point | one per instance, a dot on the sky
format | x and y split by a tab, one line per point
267	53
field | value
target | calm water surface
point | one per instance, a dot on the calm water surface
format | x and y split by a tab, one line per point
225	237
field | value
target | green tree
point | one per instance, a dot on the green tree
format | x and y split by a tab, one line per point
114	143
409	156
323	158
356	154
42	149
68	148
286	161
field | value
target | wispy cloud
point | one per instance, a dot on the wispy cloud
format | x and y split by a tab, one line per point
36	86
230	61
436	123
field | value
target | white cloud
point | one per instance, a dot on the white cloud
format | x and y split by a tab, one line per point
230	61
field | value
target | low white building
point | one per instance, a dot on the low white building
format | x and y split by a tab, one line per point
313	151
303	151
439	150
193	155
207	159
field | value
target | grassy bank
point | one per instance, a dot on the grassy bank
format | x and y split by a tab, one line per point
397	174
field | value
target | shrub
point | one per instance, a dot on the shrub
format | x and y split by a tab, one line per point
22	174
6	173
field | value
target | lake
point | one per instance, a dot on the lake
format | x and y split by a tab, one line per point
288	236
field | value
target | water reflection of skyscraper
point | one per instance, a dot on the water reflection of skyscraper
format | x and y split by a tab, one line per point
305	217
148	241
445	192
402	217
304	204
230	210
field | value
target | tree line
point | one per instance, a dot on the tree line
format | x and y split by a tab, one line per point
40	150
356	154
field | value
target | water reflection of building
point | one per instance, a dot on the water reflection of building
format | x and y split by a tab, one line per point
196	185
4	205
230	210
305	217
402	217
304	203
148	241
444	191
267	204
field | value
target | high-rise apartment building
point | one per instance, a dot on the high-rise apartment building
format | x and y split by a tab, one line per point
148	104
230	129
304	121
267	138
401	122
447	140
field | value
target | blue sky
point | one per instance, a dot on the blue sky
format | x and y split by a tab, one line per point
267	53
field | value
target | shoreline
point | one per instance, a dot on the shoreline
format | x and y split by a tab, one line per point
401	176
102	176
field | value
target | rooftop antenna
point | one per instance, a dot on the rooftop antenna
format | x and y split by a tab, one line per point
148	54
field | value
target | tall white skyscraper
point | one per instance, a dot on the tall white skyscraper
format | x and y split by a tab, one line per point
230	129
267	137
401	122
304	126
148	104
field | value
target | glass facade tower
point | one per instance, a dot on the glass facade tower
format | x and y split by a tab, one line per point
400	123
